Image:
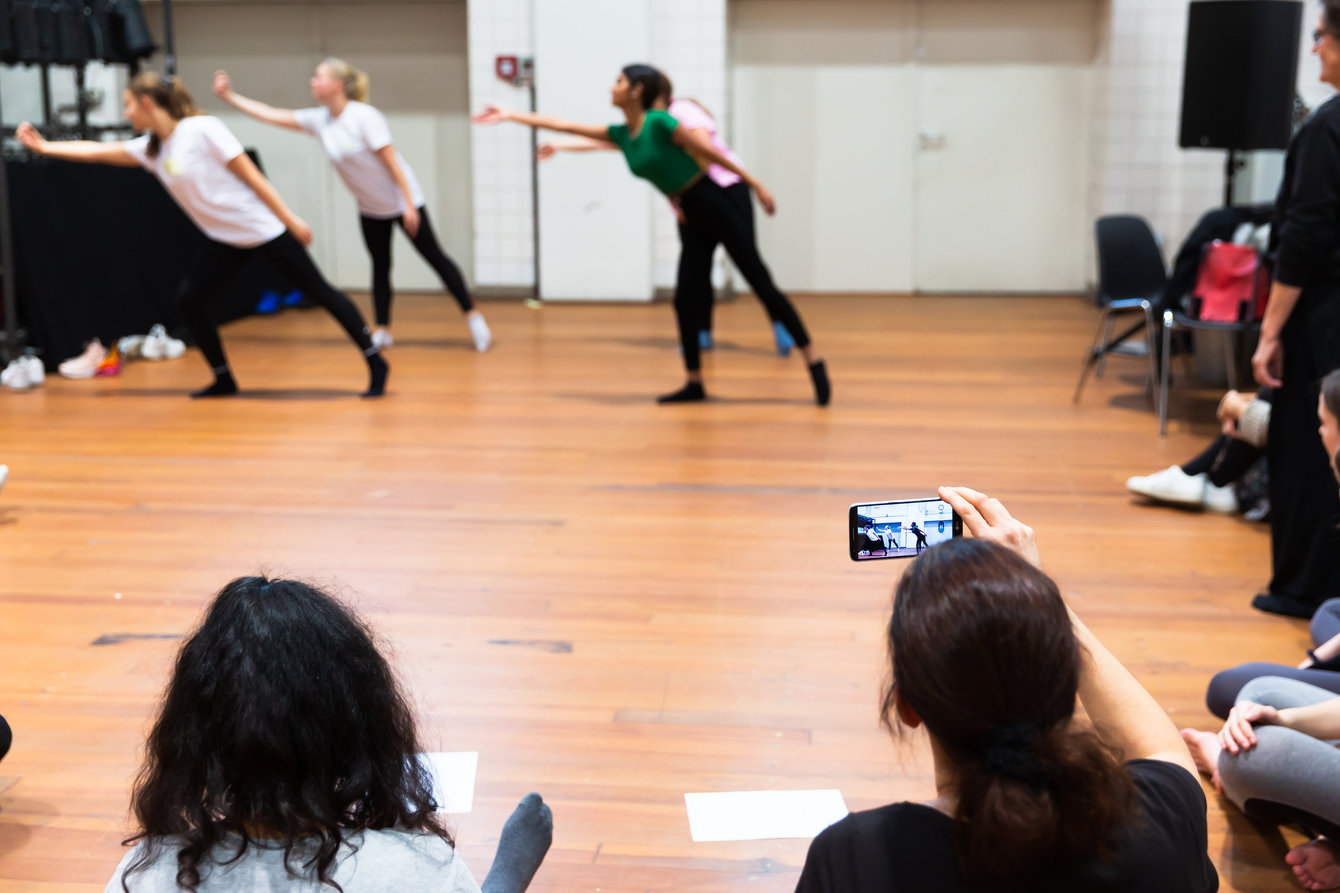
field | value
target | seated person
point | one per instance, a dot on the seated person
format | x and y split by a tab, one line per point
1275	761
986	655
285	757
1208	481
1321	668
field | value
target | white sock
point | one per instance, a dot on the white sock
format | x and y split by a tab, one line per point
479	330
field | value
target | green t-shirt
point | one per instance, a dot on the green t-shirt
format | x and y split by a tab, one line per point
653	155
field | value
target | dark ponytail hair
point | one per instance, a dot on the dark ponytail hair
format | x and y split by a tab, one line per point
169	94
984	652
1331	13
281	720
646	77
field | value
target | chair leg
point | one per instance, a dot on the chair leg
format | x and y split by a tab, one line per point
1151	344
1102	354
1167	366
1231	357
1091	356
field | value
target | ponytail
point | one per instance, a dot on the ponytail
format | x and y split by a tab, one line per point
983	651
169	94
357	84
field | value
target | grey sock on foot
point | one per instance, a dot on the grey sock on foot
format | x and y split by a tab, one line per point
525	839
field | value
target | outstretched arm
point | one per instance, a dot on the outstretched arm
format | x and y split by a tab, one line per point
496	114
699	144
75	150
223	86
1122	712
245	170
545	151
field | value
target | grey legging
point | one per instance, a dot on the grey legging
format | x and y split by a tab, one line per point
1288	776
1224	687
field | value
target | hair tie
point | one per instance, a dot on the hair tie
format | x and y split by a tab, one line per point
1011	751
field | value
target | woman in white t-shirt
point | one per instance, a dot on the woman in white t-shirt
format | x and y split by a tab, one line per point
205	170
358	143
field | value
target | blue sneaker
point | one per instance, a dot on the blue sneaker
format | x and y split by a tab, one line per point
784	340
705	340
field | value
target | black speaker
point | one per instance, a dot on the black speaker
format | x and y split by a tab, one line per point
1241	74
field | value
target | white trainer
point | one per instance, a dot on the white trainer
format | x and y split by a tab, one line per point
131	347
381	339
158	345
87	363
1221	499
37	373
1171	485
15	376
479	331
4	475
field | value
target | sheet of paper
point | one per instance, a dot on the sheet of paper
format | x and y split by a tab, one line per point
762	815
453	779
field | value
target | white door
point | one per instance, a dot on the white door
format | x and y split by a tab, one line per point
1003	112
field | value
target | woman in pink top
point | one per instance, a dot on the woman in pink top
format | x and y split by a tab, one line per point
694	117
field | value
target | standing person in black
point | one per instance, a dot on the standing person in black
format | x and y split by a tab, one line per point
988	657
920	535
1300	343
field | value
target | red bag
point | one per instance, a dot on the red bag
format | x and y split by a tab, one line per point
1232	284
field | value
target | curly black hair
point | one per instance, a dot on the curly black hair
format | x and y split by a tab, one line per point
283	722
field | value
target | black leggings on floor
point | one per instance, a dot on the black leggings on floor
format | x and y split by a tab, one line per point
215	267
743	199
712	219
377	236
1226	460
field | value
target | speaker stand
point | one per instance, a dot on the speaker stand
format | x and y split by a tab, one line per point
1232	165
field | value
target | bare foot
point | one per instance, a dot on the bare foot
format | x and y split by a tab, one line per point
1316	864
1204	747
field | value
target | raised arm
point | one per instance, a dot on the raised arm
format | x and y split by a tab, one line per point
699	144
545	151
223	86
75	150
1122	712
245	170
496	114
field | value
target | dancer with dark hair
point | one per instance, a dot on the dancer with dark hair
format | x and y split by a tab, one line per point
1300	343
921	537
285	756
203	168
358	143
694	116
662	151
985	654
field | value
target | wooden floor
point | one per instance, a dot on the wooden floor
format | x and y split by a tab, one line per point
615	603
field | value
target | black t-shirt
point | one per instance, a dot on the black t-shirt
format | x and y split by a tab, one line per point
908	848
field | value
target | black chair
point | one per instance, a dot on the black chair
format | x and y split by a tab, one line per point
1131	279
1175	319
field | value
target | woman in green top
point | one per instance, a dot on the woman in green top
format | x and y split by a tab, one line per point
657	149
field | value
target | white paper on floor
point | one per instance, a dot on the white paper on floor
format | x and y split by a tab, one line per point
762	815
453	779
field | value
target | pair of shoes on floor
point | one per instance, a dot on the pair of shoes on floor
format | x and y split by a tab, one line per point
23	373
157	345
479	333
1174	486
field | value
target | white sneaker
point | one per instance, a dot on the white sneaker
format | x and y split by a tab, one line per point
15	376
131	347
37	373
4	475
87	363
1221	499
1171	485
479	331
381	339
158	345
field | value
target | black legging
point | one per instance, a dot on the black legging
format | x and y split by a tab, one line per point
712	219
216	265
1226	460
377	236
6	737
743	199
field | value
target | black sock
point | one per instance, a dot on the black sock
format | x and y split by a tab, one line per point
823	391
378	370
524	840
223	386
690	393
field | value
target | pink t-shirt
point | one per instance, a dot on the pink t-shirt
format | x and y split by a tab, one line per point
692	116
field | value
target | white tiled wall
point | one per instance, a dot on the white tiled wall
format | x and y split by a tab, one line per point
501	155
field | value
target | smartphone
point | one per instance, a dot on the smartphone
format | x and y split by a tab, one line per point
902	528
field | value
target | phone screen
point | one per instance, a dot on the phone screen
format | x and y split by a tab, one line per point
902	528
